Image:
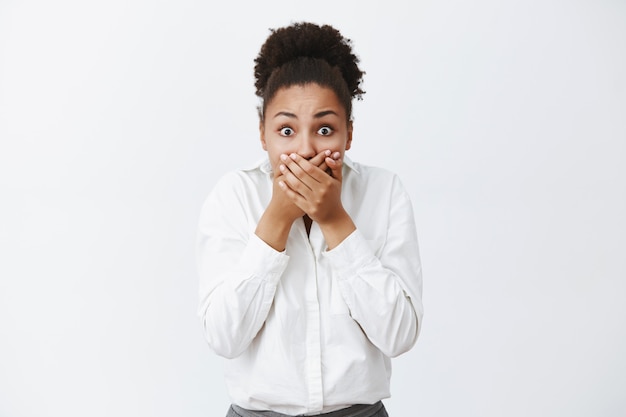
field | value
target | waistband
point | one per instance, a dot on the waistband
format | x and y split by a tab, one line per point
358	410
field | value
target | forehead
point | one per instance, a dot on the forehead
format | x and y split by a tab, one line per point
308	98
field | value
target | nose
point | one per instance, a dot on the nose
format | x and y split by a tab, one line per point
305	146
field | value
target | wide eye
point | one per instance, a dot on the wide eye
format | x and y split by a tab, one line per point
286	131
324	131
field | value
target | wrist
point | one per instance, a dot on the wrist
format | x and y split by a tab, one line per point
337	228
274	229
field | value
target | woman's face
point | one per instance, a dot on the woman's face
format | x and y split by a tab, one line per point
305	120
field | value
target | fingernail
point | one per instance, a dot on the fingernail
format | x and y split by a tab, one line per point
327	152
281	184
281	167
337	155
283	157
293	156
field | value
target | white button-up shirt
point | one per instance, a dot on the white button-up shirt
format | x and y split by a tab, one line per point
309	330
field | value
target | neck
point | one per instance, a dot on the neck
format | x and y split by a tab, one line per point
307	223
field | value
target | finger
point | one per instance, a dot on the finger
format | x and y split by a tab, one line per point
324	167
320	157
335	166
304	170
294	196
336	156
295	178
278	178
297	169
281	184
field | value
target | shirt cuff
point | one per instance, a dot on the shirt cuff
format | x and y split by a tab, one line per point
261	260
353	252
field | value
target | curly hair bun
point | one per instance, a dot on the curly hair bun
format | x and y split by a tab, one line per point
307	40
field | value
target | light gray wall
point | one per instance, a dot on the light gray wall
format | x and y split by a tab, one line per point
506	121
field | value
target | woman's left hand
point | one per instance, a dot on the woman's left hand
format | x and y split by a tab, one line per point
316	192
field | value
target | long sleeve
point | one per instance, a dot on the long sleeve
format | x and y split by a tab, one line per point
381	282
309	330
238	271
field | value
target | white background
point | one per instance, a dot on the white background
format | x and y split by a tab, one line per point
505	119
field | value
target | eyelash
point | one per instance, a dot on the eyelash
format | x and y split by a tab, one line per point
330	130
283	128
280	131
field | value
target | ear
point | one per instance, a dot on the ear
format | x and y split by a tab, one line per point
262	135
349	141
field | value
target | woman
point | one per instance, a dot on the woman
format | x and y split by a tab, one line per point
310	278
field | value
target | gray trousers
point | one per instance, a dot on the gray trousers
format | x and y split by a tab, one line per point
360	410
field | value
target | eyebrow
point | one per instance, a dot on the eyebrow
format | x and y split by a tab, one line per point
325	113
316	115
